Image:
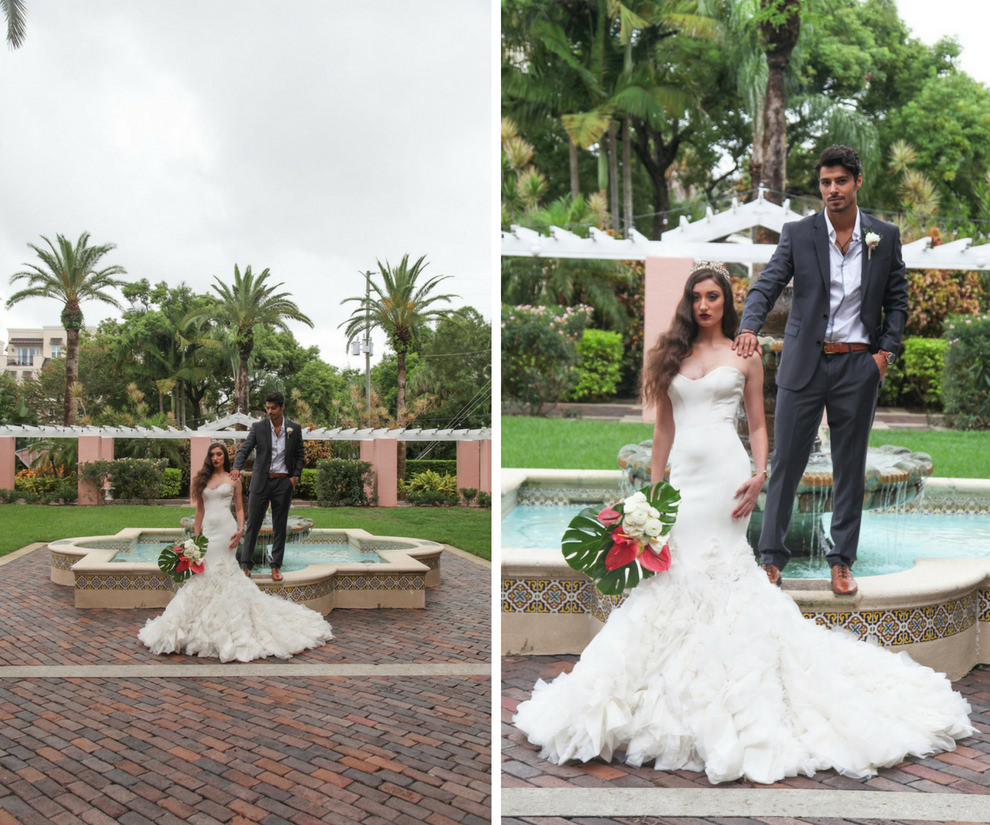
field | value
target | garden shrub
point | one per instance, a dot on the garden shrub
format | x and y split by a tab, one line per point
966	381
484	499
306	488
342	482
469	494
539	351
599	366
44	485
924	365
432	490
171	483
437	465
131	478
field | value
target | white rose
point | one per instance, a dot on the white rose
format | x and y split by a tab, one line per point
652	527
633	523
634	500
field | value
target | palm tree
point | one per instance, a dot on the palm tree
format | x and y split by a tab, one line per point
249	303
401	309
69	274
14	11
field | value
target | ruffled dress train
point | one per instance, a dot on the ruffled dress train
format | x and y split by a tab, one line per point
222	614
708	667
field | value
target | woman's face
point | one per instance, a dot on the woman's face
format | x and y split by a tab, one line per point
216	458
707	303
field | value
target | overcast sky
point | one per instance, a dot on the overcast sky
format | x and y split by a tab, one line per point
311	137
967	20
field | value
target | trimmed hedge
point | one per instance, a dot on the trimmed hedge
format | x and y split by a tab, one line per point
343	482
966	384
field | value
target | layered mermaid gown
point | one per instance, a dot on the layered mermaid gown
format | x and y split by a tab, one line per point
710	667
222	614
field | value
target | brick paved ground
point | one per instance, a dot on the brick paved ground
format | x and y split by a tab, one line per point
258	746
965	770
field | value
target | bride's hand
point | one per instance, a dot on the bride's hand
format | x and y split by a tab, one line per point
236	538
748	494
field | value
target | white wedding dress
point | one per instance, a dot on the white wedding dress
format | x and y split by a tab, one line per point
221	613
710	667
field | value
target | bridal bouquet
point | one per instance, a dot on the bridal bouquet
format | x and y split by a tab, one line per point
184	559
623	543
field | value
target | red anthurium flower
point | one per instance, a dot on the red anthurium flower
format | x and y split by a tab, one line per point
609	516
197	566
624	550
652	560
183	564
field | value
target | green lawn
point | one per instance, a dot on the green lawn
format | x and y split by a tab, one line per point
466	528
584	444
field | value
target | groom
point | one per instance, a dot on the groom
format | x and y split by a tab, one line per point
278	465
845	326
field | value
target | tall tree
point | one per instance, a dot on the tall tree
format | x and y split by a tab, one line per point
401	307
251	301
15	11
69	274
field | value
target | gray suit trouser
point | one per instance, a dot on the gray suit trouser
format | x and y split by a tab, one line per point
845	387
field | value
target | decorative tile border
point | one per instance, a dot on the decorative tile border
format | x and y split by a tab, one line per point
904	627
890	628
61	561
537	495
121	581
415	581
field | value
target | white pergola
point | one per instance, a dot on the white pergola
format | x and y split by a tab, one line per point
700	241
378	446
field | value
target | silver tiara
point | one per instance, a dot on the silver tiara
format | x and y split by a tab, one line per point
711	266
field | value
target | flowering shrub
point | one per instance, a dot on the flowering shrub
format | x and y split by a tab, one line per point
539	351
43	483
131	478
966	387
935	294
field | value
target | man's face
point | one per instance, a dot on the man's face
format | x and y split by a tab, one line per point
838	188
274	412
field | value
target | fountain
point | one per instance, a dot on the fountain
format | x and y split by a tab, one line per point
297	528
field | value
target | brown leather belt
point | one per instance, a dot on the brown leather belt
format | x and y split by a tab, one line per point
278	475
833	348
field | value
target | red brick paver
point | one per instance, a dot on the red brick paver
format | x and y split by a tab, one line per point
965	770
239	749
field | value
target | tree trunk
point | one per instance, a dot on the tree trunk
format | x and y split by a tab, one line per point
400	408
241	386
572	152
613	177
657	156
627	194
778	43
71	375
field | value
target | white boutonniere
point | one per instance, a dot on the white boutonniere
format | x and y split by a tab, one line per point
288	430
872	239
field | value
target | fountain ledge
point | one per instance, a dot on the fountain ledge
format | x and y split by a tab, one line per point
410	566
938	612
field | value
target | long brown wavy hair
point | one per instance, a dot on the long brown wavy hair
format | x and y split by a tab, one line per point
663	361
206	471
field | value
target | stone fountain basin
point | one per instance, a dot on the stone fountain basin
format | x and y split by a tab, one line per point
409	566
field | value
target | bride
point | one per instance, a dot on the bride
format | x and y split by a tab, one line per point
220	613
708	666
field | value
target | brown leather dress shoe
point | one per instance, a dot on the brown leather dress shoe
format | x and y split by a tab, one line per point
276	574
773	573
247	572
843	583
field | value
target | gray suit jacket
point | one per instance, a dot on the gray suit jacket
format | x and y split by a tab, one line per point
259	438
802	254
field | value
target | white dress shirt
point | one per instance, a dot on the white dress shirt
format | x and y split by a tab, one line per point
845	324
278	450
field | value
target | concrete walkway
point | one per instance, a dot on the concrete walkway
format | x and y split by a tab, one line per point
390	722
949	787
